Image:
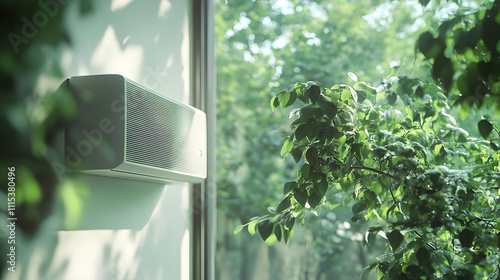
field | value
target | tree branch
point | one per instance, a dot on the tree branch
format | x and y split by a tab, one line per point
427	243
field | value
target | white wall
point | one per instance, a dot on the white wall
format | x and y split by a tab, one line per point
125	229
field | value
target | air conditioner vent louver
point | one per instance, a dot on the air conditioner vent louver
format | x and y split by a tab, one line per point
150	141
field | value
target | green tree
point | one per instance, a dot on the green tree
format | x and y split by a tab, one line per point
432	189
396	151
262	47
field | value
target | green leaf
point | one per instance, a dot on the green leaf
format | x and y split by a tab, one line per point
345	184
361	96
464	110
271	240
289	223
287	147
314	199
358	207
300	132
365	274
364	86
251	226
238	229
423	2
395	238
304	170
466	238
380	96
342	140
286	233
293	87
353	76
293	98
357	217
430	46
423	256
466	40
442	71
345	95
391	98
354	94
313	92
329	108
301	196
312	156
485	128
265	229
274	103
494	146
322	186
289	186
429	112
296	154
308	111
335	94
312	130
284	204
278	232
371	199
283	98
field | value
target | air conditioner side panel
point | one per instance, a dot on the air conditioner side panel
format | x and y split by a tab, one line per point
96	138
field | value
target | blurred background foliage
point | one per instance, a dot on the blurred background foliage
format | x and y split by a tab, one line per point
33	116
264	46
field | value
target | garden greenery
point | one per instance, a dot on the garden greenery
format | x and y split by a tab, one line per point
399	158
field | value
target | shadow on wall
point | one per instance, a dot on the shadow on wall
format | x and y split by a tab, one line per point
127	230
118	204
120	253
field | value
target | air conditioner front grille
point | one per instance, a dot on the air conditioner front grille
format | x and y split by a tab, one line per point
163	134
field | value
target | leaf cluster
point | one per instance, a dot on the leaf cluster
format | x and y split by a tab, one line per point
400	159
464	55
33	116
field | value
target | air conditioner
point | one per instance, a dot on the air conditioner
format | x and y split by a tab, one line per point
125	130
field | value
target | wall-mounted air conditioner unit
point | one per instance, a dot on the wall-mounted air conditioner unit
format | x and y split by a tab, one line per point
123	129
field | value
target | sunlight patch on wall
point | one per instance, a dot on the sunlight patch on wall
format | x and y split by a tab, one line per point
185	249
119	4
186	203
110	58
125	40
164	8
124	251
88	246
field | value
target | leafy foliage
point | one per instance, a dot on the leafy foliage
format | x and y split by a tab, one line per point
275	45
464	55
33	117
395	151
